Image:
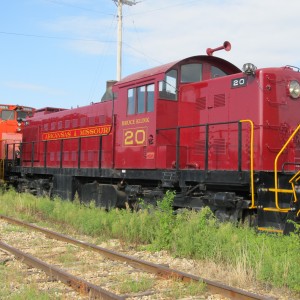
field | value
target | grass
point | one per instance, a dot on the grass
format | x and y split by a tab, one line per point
181	289
67	258
136	285
14	287
270	259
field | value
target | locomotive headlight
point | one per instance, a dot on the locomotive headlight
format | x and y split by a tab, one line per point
249	69
294	89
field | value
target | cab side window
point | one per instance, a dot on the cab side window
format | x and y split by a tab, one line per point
168	87
150	97
140	99
131	102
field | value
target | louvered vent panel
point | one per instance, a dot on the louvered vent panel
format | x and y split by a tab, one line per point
200	147
219	146
219	100
201	103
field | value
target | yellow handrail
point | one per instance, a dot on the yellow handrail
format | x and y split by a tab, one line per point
251	161
292	181
276	172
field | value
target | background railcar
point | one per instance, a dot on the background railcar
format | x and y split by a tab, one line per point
217	136
11	117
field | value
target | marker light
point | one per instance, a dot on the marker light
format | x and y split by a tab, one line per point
294	89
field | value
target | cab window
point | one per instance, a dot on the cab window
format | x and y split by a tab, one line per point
7	115
216	72
131	102
168	87
22	114
150	97
191	73
140	99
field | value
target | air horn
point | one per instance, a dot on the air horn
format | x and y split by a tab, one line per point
226	45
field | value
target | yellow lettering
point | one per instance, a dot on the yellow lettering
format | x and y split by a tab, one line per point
128	122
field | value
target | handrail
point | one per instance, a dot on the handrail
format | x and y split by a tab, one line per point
251	161
177	129
276	170
32	151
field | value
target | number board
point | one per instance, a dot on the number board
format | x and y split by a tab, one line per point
238	82
135	136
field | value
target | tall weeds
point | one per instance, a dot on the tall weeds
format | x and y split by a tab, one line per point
272	259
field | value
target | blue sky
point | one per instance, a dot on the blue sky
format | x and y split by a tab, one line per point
61	52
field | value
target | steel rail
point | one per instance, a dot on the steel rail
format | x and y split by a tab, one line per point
78	284
212	286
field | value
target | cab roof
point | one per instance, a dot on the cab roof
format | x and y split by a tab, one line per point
160	71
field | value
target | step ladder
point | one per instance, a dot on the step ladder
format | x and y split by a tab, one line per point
279	204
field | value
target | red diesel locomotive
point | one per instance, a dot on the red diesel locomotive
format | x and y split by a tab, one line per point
216	135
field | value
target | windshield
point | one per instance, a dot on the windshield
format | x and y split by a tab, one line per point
7	115
22	115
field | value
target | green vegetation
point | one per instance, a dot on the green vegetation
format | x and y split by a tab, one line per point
180	289
14	287
136	285
269	258
67	258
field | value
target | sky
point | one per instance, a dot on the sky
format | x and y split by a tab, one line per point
60	53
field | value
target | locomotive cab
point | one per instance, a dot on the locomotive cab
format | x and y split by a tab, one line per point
148	102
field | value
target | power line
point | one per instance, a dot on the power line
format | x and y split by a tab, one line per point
163	8
143	54
100	63
54	37
72	39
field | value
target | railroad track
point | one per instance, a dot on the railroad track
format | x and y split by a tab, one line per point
94	290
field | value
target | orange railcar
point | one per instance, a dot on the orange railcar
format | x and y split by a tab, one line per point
11	123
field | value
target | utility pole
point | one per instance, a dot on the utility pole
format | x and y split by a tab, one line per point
119	3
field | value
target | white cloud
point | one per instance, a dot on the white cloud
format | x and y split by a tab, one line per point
86	35
262	32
